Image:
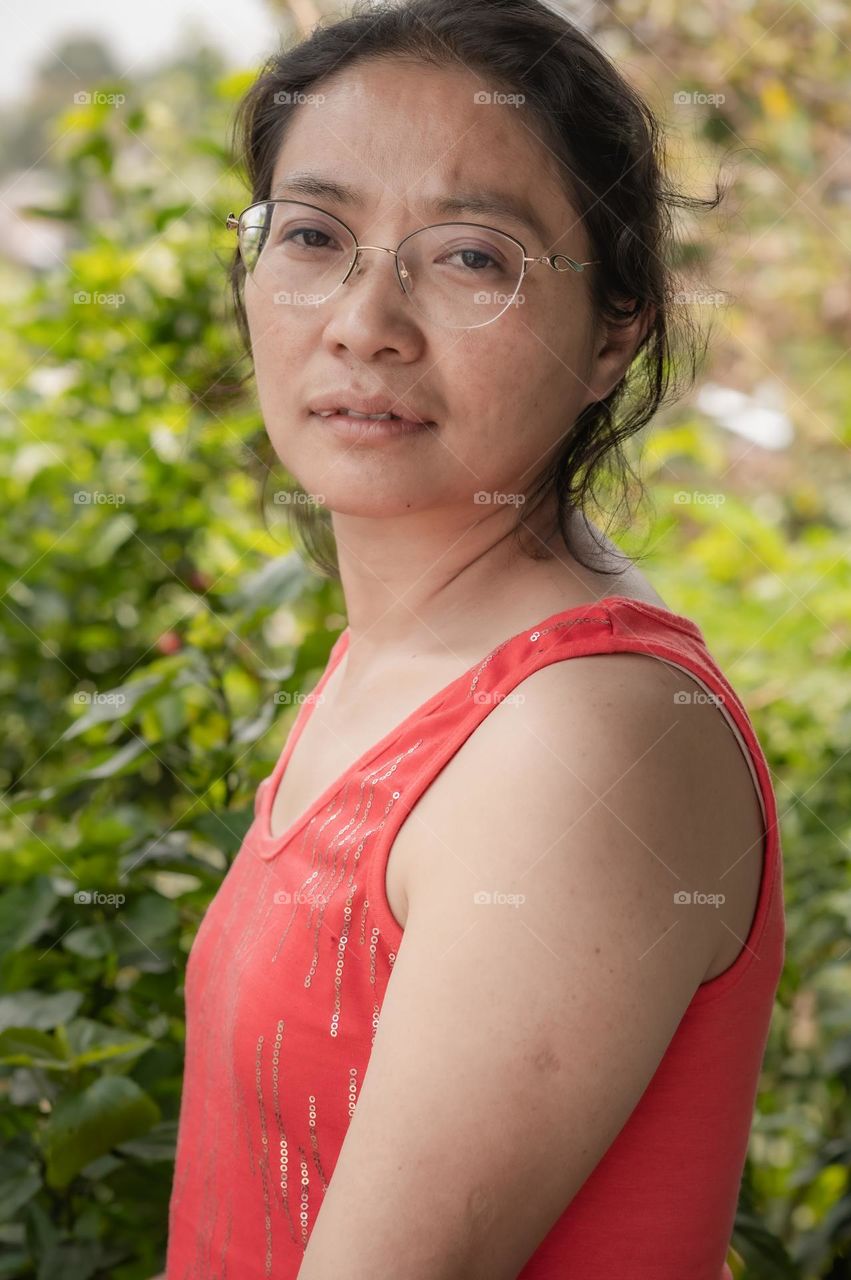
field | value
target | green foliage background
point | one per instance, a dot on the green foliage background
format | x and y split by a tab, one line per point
156	630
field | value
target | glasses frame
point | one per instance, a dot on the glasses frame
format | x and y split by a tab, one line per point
234	223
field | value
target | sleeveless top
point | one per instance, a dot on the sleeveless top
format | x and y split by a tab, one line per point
287	974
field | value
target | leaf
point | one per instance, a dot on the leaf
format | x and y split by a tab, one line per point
15	1263
90	1042
168	214
159	1144
226	830
152	916
15	1192
109	538
117	763
29	1047
765	1254
72	1260
24	912
116	704
34	1009
278	581
92	941
87	1125
172	848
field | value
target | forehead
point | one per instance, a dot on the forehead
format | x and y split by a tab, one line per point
404	131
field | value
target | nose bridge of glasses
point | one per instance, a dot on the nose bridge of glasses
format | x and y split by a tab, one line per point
356	266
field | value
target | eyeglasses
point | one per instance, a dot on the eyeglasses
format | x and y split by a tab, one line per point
459	275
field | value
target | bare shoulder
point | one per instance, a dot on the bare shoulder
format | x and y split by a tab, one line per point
600	753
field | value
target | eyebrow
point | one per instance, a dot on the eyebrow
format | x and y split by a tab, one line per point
481	202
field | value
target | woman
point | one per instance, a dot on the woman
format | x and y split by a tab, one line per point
539	899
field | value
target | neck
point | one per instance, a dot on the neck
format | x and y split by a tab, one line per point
426	583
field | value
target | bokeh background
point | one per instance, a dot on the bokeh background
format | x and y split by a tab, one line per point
159	626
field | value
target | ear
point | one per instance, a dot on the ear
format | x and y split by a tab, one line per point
615	348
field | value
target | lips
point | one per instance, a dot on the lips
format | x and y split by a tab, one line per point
365	417
371	406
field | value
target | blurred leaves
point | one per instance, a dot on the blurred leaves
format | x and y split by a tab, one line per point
151	616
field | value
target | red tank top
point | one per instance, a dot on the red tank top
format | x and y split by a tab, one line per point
288	970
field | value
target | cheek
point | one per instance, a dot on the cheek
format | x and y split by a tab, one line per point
513	399
271	337
279	350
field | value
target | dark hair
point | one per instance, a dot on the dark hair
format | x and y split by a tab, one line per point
612	166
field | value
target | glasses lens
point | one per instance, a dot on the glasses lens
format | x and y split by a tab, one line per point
458	275
461	275
296	254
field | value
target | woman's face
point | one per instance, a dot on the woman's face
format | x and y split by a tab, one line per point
403	134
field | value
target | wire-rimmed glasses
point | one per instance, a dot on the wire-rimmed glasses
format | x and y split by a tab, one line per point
459	275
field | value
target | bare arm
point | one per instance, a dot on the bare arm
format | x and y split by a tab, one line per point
515	1040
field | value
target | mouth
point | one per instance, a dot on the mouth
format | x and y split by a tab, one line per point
370	409
350	415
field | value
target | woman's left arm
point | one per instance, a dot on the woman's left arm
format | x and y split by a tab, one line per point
516	1037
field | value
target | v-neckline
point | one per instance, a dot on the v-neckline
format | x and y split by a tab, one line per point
270	844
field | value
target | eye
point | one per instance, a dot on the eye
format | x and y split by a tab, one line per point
307	231
458	251
475	253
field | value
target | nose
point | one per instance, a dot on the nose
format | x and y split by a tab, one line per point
366	320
